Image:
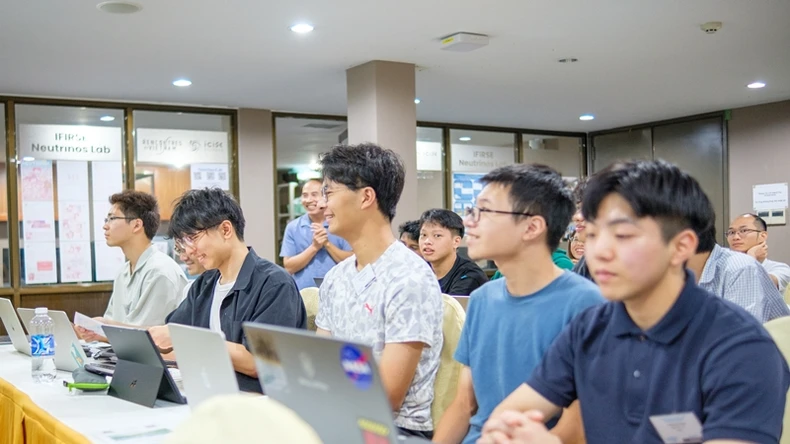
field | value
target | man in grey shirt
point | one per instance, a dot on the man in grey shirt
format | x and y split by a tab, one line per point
384	295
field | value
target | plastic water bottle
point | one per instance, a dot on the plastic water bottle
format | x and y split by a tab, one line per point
42	347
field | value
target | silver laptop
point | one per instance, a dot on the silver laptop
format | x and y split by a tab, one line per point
69	355
204	363
334	385
14	328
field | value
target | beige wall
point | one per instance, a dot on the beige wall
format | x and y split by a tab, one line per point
256	179
759	151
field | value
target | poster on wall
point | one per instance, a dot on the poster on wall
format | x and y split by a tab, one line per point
108	260
209	175
69	142
36	181
38	221
72	181
180	147
40	263
466	188
770	196
75	262
106	179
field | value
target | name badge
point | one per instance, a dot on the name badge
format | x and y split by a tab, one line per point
678	428
363	279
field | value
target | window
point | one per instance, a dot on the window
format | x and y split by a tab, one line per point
69	161
5	256
178	151
564	154
430	168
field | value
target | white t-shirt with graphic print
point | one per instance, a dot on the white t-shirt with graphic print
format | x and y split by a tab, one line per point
395	299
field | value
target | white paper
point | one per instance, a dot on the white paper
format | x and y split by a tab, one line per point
109	260
38	221
40	263
772	196
107	179
88	323
101	208
72	181
74	221
36	181
209	175
75	262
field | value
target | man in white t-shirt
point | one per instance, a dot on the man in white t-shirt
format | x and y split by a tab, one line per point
384	295
749	234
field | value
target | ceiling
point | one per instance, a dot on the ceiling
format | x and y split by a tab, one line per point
639	60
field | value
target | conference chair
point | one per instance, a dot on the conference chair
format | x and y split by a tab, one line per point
446	384
310	298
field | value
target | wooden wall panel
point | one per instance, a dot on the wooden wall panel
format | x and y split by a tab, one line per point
169	184
90	304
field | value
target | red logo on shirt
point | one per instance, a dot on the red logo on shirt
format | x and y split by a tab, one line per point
369	308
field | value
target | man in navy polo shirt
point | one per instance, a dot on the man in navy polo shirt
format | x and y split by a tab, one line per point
664	360
308	250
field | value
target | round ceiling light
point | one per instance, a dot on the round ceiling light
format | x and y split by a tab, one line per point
465	139
302	28
756	85
586	117
417	101
119	7
182	82
106	118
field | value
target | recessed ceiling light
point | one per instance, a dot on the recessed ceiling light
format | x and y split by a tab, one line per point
417	100
182	82
586	117
106	118
28	159
119	7
756	85
465	139
302	28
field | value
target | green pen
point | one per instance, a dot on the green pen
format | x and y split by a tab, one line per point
87	386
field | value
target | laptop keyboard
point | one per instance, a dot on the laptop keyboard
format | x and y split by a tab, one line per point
101	369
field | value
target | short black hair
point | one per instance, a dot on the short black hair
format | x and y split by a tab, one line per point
139	205
445	219
759	222
656	189
411	228
540	191
578	191
367	165
198	210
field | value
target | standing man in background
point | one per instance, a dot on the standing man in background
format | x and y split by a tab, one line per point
308	250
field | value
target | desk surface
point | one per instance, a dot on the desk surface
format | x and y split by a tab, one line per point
95	415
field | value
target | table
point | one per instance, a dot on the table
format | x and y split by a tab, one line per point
33	413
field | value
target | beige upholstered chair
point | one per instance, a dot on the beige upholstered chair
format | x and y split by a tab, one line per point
243	419
780	330
446	385
310	298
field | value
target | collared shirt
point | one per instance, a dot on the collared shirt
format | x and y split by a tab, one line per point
299	236
740	279
263	293
780	271
146	295
706	356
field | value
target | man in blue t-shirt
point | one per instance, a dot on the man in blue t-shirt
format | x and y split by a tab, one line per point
519	218
308	250
664	360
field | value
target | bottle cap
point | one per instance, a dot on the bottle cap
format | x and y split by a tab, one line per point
41	310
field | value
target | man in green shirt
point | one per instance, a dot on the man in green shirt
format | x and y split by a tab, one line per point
560	258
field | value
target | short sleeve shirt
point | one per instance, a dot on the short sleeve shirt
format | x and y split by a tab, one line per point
299	236
395	299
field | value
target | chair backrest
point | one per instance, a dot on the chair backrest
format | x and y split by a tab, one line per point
310	298
243	418
446	385
779	329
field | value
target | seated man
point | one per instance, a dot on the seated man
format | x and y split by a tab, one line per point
409	235
441	232
735	277
511	322
384	295
193	268
662	345
238	287
749	234
150	284
308	251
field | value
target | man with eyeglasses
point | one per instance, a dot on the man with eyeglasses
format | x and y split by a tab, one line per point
308	250
518	220
748	234
150	284
238	287
194	269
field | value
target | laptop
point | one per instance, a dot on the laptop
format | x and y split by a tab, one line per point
140	375
332	384
318	282
14	328
69	354
204	363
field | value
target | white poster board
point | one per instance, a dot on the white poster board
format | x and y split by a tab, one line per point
771	196
38	226
69	142
180	147
209	175
481	159
429	156
107	179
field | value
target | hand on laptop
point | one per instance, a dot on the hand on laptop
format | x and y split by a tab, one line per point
517	428
161	337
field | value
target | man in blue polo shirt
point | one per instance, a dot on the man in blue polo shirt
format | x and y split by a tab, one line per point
664	360
308	250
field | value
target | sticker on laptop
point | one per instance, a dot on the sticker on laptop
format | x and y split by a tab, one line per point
356	367
373	432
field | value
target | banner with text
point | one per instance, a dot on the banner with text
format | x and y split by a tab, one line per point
181	147
70	142
481	159
429	156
